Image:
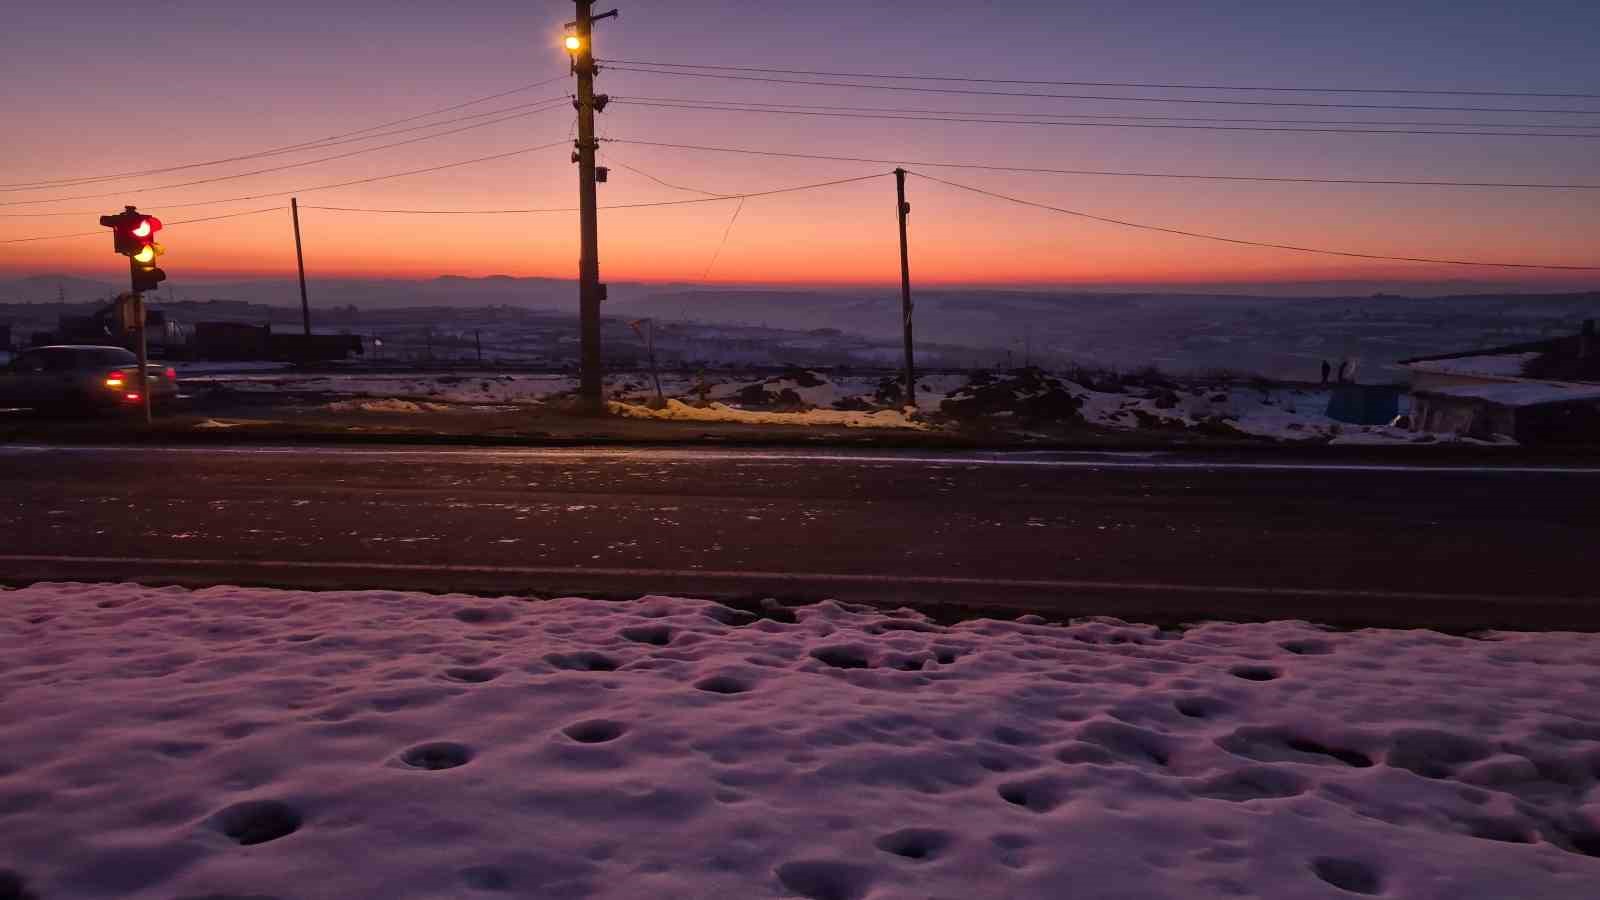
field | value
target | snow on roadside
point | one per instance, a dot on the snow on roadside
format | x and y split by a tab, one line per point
387	404
229	742
719	412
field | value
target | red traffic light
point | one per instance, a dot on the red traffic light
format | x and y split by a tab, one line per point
132	231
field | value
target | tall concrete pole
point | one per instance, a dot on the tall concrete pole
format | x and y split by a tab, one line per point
590	291
903	209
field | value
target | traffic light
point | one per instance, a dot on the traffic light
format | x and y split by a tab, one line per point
146	275
134	236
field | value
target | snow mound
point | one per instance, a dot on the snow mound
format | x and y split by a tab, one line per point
719	412
386	405
243	742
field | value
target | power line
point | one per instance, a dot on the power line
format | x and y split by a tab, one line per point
724	242
753	108
528	108
983	93
304	145
1248	243
612	160
340	184
1110	173
1122	84
102	232
566	209
726	231
309	162
1108	116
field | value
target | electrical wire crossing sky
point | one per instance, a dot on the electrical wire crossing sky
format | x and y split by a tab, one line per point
1058	144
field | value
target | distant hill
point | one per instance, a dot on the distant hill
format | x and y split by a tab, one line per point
1286	336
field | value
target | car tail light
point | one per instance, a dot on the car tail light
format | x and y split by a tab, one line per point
116	380
170	374
131	398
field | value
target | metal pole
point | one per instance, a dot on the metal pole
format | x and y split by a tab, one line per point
300	260
590	387
655	373
903	209
144	357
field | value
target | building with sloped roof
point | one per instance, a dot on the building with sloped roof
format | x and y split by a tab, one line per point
1545	392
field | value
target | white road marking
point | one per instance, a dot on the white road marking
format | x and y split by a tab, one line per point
567	455
1064	585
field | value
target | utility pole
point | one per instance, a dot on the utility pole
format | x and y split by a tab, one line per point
902	210
648	332
300	260
580	44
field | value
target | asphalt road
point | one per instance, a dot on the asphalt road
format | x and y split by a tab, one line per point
1152	538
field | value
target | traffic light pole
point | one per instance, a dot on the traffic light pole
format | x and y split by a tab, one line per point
590	292
902	210
136	299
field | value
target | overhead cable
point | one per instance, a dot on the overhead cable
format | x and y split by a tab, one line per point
102	232
369	180
1269	179
303	145
1098	97
1248	243
297	165
569	209
754	108
528	108
1107	116
1144	85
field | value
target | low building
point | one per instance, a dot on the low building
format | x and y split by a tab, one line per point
1544	392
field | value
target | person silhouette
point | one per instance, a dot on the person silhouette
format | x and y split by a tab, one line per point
1326	371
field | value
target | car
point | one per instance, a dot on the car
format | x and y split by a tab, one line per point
82	378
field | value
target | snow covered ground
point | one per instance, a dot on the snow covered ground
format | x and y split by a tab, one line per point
809	397
720	412
228	742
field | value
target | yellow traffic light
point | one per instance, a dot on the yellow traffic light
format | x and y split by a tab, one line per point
574	43
146	254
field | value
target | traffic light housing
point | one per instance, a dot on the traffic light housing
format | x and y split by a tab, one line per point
146	275
133	235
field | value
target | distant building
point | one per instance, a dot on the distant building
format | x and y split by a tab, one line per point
1544	392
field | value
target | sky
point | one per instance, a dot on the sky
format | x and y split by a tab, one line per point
105	88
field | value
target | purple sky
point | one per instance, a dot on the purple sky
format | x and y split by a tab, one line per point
191	81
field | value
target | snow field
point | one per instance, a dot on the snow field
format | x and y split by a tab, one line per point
230	742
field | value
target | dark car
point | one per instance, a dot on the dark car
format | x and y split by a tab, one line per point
77	377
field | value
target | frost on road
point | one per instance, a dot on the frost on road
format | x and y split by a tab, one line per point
164	743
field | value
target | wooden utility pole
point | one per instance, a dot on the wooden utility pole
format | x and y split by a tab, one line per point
903	209
580	44
300	260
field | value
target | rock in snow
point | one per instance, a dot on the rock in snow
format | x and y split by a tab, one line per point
228	742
